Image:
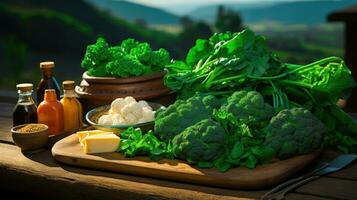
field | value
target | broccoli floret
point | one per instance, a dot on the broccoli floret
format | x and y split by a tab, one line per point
159	59
96	57
201	142
126	66
128	44
249	107
212	102
293	132
180	115
142	52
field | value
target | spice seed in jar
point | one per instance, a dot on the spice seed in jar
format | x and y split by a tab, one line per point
30	128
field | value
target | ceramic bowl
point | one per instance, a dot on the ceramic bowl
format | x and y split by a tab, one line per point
97	91
93	116
30	141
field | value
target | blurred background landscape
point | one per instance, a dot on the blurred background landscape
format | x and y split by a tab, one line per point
32	31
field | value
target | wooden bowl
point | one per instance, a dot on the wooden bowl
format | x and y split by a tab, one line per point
98	91
30	141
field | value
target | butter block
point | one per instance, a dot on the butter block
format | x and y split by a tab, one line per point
100	143
82	134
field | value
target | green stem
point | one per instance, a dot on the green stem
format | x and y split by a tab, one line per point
199	64
208	62
213	74
329	59
228	79
290	82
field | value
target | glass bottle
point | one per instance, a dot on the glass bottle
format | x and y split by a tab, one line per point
48	81
50	112
72	108
25	110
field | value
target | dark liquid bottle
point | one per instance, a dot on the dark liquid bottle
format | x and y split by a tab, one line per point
25	110
48	81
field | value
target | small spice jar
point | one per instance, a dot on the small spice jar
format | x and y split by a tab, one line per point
25	110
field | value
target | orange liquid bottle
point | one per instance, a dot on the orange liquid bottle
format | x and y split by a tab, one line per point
50	112
72	108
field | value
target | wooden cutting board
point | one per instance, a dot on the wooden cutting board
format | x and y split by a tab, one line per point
69	151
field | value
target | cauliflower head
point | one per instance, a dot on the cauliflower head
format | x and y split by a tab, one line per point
117	105
127	111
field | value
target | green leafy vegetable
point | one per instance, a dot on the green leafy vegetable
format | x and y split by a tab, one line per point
217	61
229	62
133	143
239	105
131	58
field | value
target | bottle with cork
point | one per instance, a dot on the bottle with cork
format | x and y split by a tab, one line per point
50	112
48	81
25	110
72	108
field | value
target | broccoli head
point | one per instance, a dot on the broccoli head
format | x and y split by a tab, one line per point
126	66
201	142
293	132
131	58
182	114
249	107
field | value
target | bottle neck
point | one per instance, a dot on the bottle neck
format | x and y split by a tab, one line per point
25	98
47	73
50	96
69	94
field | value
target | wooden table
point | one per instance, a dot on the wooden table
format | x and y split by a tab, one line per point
40	176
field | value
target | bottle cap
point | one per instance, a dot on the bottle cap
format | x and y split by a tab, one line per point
68	85
47	64
24	87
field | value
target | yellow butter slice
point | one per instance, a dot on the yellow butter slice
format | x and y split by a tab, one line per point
100	143
82	134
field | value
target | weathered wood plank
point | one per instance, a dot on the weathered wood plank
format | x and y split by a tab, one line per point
9	96
39	172
5	130
6	109
331	188
296	196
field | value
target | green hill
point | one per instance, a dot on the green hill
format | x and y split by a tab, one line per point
299	12
67	26
132	11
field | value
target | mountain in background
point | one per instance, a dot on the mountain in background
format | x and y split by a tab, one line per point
68	26
299	12
133	12
208	12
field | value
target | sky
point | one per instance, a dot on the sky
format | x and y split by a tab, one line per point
161	3
184	6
